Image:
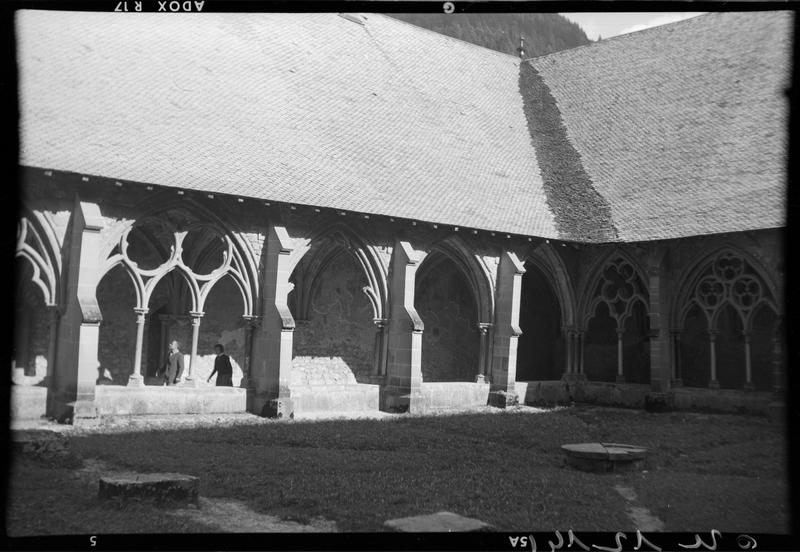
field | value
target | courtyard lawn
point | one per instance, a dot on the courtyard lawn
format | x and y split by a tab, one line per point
705	471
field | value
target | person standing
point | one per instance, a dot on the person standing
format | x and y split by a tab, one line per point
173	368
222	367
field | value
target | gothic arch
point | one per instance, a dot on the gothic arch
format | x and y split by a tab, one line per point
474	270
237	257
617	280
37	243
726	275
545	258
324	246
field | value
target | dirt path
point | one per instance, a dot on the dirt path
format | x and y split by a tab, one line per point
643	519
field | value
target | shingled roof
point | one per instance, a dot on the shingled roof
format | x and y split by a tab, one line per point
668	132
381	117
682	129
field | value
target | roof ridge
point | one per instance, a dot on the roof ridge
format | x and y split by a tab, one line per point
655	28
472	44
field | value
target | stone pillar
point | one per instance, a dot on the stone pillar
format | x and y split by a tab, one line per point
620	373
712	340
53	316
22	341
658	308
196	318
569	336
269	393
79	327
675	368
581	336
402	389
748	366
136	379
506	331
777	364
379	365
483	348
251	323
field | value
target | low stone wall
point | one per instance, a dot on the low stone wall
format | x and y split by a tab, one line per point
111	400
722	400
354	397
559	392
452	395
28	402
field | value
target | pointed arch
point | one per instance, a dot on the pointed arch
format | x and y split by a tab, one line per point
37	243
550	263
618	280
726	275
474	269
325	244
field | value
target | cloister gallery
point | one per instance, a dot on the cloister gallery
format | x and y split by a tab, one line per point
369	215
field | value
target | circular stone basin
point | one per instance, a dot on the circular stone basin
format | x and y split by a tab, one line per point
603	457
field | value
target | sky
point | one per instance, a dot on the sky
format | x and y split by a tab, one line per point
608	24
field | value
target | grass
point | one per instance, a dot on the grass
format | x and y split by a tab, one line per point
705	471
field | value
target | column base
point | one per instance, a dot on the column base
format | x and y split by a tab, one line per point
135	381
480	378
573	378
749	386
713	384
188	382
676	382
620	378
279	408
503	399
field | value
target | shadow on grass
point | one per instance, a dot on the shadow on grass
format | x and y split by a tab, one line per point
506	469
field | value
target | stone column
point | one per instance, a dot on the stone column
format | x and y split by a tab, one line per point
379	363
658	308
196	318
136	379
402	389
569	335
581	336
675	347
712	340
620	373
79	327
483	348
53	316
251	323
748	366
269	393
506	331
777	364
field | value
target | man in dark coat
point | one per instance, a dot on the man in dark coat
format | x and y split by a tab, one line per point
222	367
173	368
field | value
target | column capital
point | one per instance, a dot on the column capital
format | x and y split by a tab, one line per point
712	334
196	316
620	332
252	320
484	327
381	323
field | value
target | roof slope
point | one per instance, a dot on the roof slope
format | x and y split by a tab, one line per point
681	128
382	118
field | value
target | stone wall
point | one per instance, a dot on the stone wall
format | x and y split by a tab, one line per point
336	343
450	342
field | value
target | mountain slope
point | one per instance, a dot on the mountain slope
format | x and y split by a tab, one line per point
544	32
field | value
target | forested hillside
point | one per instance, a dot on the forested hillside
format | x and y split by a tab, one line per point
544	32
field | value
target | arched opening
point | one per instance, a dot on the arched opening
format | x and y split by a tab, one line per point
116	297
448	308
334	338
168	319
222	324
694	349
541	348
636	346
730	349
600	346
764	331
31	328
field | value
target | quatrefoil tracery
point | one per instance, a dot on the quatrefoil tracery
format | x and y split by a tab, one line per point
729	280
